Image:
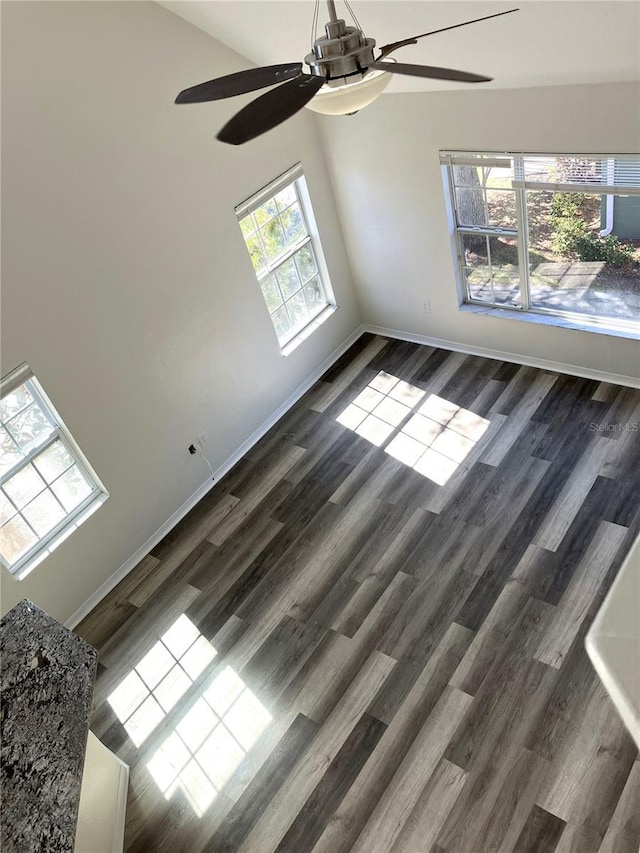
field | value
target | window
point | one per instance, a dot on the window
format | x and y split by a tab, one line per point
47	488
549	235
281	237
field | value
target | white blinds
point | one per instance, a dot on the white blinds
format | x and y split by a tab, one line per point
472	158
589	173
599	173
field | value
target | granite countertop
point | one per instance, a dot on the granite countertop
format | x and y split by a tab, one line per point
46	678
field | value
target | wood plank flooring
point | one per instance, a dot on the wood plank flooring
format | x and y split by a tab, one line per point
369	636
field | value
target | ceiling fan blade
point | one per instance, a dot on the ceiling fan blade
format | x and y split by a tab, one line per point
386	50
430	71
239	83
270	109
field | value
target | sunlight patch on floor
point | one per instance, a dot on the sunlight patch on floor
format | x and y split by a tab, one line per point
431	436
212	737
147	694
210	741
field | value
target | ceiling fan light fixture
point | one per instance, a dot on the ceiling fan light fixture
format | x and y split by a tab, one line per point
350	96
344	77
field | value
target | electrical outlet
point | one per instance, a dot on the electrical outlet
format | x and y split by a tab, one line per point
426	307
202	440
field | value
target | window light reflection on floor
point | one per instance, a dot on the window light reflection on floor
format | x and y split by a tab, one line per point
161	678
209	743
435	437
212	737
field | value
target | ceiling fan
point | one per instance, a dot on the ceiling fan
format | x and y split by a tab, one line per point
345	76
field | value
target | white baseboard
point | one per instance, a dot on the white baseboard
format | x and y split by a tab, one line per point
202	490
542	363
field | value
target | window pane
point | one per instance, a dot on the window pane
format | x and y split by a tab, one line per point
53	461
71	488
501	209
286	197
471	208
466	176
9	453
24	486
271	293
470	204
315	297
43	513
7	509
475	250
288	278
15	539
504	292
273	239
298	311
499	178
491	268
281	323
573	268
14	402
257	255
305	262
504	256
293	222
264	213
30	428
247	225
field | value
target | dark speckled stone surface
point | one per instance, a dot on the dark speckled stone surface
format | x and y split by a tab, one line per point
47	678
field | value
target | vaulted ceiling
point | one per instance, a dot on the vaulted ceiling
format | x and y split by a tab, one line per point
545	43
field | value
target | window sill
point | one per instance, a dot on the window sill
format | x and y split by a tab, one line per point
303	334
582	324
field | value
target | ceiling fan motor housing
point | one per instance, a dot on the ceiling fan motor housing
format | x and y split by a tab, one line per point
343	52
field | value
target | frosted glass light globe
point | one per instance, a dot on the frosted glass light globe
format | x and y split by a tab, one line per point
350	97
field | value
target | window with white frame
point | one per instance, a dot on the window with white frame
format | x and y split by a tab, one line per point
281	237
47	488
549	235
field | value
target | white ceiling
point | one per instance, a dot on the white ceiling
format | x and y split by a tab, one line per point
545	43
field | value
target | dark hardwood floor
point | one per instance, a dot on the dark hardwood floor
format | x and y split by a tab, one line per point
370	635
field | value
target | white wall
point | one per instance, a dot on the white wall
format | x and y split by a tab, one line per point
125	282
386	173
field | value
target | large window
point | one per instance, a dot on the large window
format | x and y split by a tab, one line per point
281	237
549	235
46	485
